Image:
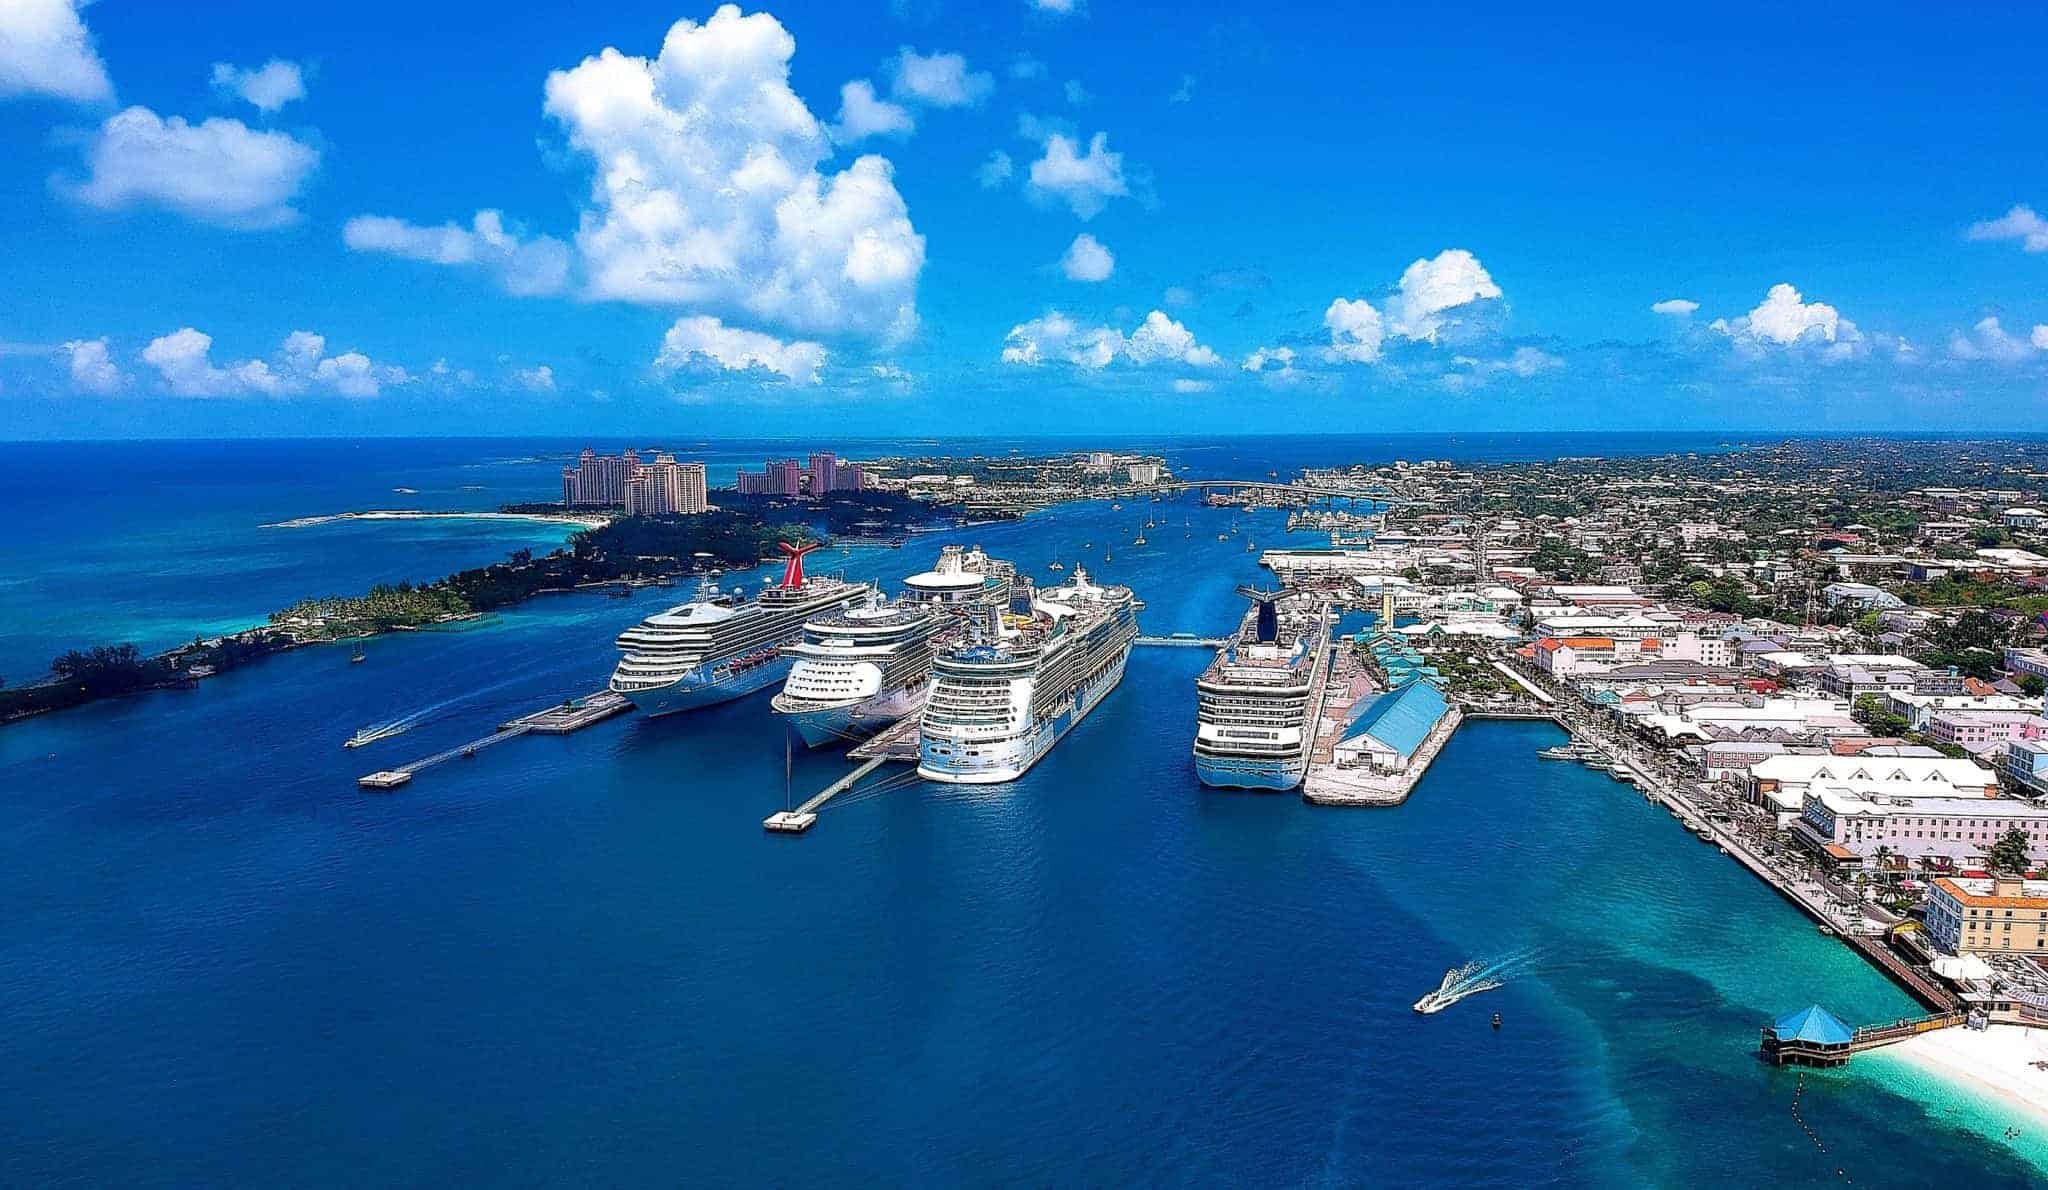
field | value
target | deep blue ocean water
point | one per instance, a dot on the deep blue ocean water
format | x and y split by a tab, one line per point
581	959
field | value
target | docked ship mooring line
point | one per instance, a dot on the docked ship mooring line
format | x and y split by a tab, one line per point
888	784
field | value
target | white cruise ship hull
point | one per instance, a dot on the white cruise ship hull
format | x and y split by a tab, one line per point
701	688
1277	774
818	724
945	760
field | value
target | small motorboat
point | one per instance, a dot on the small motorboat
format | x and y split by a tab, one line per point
1496	1020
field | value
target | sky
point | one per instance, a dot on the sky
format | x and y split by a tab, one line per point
1017	216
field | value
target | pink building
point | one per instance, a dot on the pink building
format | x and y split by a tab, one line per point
598	479
1984	731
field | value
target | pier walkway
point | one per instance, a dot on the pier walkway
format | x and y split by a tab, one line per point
574	715
801	819
894	743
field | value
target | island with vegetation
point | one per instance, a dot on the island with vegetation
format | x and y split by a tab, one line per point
618	550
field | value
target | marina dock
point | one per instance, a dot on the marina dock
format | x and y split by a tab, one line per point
574	715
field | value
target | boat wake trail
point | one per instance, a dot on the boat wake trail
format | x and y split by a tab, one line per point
412	719
1480	975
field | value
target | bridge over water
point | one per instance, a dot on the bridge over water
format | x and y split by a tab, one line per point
1318	492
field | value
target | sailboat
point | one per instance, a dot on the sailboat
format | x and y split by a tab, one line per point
358	657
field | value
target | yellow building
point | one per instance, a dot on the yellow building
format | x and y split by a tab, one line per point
1978	915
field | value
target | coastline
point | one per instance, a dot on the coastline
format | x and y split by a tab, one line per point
400	514
1994	1062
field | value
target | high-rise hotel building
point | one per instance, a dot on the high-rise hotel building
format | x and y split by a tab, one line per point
643	489
598	479
826	472
665	486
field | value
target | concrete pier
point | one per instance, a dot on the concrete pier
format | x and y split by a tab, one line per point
573	715
801	819
1329	785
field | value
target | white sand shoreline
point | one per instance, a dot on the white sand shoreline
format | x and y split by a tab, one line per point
1996	1061
588	521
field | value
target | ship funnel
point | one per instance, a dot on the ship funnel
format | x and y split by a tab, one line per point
1268	626
793	569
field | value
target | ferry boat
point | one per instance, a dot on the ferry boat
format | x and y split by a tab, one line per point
724	645
862	668
1256	703
1017	682
370	735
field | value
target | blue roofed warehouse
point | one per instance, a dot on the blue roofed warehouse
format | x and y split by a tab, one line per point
1385	732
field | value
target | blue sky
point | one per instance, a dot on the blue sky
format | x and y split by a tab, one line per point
252	218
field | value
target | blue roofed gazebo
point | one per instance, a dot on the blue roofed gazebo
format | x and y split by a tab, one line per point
1813	1036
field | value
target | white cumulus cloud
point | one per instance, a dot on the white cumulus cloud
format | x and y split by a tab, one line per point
46	50
183	361
538	379
863	114
1279	359
1192	386
707	189
1084	181
2020	223
701	338
1357	332
524	267
1058	8
220	172
937	80
93	369
268	87
1432	287
1990	341
1676	306
1087	260
1785	317
1058	338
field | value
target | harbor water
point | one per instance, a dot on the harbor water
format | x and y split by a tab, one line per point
581	959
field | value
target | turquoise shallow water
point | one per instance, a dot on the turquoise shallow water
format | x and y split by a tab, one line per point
581	959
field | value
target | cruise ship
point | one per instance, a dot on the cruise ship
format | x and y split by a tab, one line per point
859	669
1020	679
1257	702
722	646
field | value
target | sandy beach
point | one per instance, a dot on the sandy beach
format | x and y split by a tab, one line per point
591	521
1998	1060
